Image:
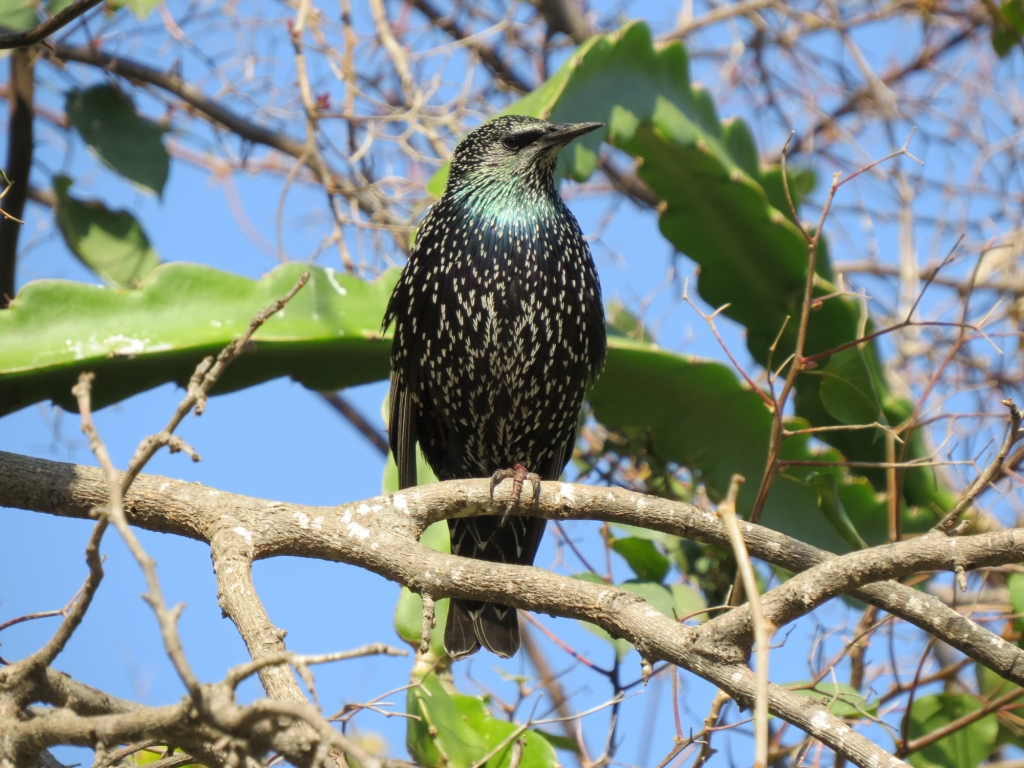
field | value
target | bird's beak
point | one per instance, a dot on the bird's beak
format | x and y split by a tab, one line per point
566	132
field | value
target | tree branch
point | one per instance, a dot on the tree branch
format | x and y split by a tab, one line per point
380	535
40	32
20	144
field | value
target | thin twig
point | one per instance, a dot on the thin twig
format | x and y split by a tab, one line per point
206	375
762	630
992	471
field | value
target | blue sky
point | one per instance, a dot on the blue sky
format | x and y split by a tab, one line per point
280	441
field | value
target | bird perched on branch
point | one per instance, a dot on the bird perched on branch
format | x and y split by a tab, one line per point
499	328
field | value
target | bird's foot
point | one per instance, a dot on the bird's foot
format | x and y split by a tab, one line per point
519	475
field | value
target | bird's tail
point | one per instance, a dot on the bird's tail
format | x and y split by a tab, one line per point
472	624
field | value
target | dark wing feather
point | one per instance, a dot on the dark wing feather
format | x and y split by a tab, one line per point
402	432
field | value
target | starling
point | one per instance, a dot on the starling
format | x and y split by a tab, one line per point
499	328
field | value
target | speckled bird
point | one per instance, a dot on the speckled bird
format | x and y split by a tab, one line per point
499	328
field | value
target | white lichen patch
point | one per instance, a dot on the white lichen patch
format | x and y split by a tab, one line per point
361	533
302	519
401	502
244	533
820	720
566	491
363	509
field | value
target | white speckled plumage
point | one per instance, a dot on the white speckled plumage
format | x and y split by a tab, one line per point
499	328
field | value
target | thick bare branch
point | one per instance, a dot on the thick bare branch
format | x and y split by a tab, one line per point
380	534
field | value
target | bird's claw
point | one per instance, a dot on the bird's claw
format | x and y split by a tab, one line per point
519	475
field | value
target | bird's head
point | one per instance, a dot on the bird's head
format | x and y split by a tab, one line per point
513	147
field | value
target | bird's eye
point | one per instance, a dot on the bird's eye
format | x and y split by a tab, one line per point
519	140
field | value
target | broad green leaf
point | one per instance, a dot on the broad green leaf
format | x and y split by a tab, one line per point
643	557
1004	41
832	507
538	752
18	15
111	243
968	746
844	701
696	413
441	736
848	390
720	207
328	337
124	140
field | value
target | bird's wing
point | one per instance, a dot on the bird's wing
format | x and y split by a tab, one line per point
402	431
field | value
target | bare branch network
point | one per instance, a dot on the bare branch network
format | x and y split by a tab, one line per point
381	535
361	113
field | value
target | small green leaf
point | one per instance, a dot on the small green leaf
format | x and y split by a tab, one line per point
537	750
559	742
409	621
128	143
1015	584
441	736
111	243
646	533
18	15
622	322
643	557
968	746
1003	40
832	507
848	391
141	8
844	701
